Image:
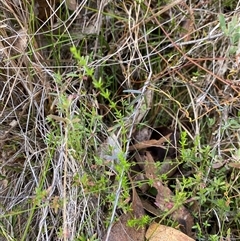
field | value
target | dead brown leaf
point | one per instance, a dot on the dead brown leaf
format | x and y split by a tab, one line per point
150	143
151	209
219	164
71	4
234	164
21	43
164	198
121	230
137	206
157	232
17	43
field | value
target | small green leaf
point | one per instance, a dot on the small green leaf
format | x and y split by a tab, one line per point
98	83
233	49
222	22
106	94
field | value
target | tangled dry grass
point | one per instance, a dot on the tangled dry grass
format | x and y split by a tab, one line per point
169	61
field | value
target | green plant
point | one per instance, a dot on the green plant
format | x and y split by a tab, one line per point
140	222
83	124
231	30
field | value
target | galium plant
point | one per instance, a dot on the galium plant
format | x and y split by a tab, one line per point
76	130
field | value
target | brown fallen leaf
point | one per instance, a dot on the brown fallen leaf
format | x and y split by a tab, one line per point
168	166
164	199
151	209
219	164
158	232
137	206
150	143
20	43
234	164
71	4
121	231
17	43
